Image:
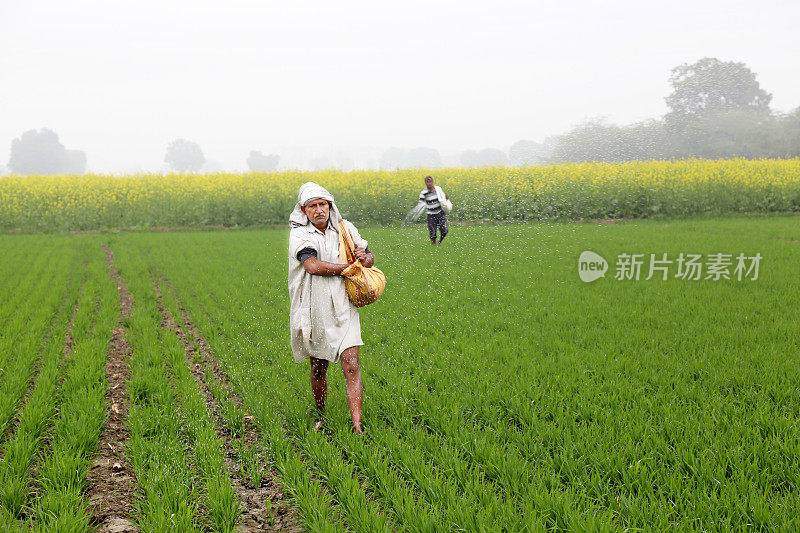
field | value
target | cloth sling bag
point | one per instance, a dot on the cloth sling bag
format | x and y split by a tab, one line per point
364	285
446	204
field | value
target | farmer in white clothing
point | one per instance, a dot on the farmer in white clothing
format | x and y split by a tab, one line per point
432	198
324	324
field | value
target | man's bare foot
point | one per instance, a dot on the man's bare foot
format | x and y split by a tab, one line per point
320	424
357	429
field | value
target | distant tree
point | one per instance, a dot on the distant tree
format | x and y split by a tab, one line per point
524	153
733	133
789	132
644	141
423	157
258	161
183	155
717	110
585	142
711	85
40	152
742	133
596	140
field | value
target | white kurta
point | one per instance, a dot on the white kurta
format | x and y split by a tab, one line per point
322	320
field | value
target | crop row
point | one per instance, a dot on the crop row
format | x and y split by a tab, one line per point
174	449
61	480
567	191
52	384
55	402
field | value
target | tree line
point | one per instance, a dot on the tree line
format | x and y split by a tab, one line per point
717	110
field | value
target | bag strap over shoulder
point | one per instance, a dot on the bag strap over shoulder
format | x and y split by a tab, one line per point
346	247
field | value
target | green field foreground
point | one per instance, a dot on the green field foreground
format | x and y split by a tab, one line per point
502	393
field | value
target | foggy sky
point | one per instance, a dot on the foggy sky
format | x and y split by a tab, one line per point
303	78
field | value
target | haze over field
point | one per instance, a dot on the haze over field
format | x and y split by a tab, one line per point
341	82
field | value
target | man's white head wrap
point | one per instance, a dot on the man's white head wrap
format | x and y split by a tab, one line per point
311	191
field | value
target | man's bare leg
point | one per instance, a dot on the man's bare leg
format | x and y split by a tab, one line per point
319	386
353	384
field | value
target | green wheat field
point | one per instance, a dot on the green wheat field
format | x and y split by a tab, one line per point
502	393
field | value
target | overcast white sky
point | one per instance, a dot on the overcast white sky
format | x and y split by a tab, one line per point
120	80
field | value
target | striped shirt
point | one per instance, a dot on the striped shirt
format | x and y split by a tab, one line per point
431	200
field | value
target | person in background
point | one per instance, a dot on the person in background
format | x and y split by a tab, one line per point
323	322
433	197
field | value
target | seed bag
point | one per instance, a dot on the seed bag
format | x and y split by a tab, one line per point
364	285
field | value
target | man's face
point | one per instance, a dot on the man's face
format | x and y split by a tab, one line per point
429	183
317	212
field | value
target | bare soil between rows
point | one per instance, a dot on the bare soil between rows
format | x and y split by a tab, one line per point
112	489
264	508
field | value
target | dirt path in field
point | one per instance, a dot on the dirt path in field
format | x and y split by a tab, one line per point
264	508
112	486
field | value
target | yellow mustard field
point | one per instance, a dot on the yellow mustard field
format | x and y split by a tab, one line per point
566	191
